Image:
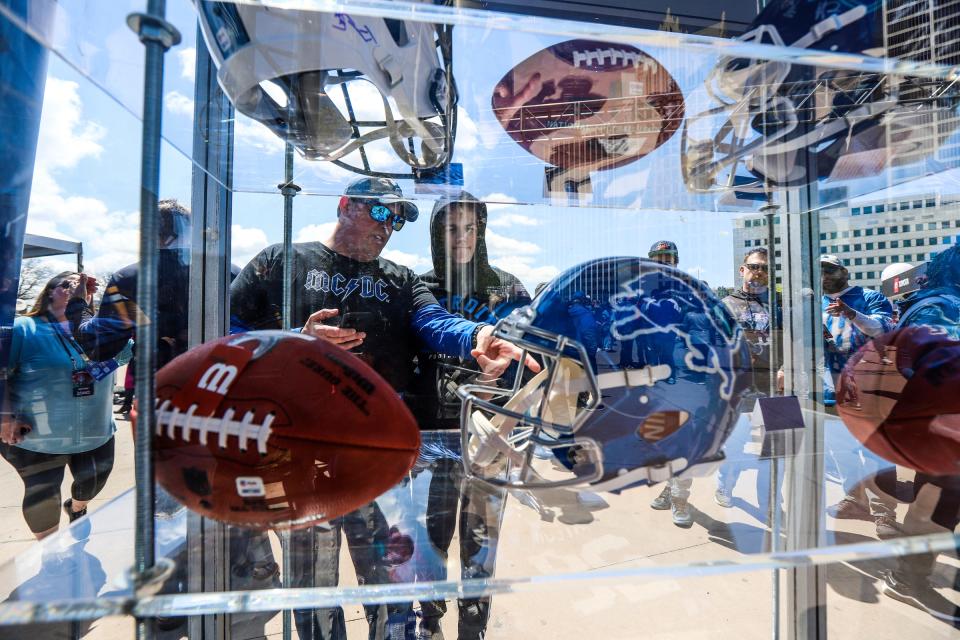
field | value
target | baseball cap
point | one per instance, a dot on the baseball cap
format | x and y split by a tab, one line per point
382	191
663	246
828	258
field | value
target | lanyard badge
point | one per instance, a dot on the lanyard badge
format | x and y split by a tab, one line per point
82	383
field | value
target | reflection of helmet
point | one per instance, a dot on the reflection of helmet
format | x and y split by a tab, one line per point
895	269
897	396
282	68
611	427
752	138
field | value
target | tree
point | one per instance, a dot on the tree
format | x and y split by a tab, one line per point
33	275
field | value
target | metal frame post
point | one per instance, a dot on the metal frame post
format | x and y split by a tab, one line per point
289	190
212	200
805	598
157	35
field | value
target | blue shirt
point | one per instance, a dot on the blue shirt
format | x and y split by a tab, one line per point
41	390
845	337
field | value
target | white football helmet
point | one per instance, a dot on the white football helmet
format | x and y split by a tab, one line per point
280	67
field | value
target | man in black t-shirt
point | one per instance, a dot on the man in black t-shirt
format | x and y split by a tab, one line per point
344	292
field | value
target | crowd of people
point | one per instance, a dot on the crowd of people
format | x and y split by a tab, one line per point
428	334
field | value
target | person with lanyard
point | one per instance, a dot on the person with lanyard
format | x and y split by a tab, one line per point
851	316
57	412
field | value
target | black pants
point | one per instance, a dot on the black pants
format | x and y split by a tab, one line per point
315	560
42	475
479	518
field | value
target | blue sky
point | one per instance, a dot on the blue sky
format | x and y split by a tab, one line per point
86	184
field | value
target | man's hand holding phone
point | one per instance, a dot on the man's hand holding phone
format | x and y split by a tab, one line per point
346	337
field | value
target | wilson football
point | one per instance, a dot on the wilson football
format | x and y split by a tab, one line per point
274	430
899	396
589	104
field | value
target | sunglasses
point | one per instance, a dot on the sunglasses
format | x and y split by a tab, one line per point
66	284
829	268
380	213
756	267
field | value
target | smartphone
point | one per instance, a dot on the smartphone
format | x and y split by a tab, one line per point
364	321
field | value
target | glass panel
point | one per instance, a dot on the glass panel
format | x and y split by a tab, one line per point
731	395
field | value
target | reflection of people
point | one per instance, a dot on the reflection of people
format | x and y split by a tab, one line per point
117	320
119	314
936	504
585	325
478	524
662	350
58	413
851	316
464	282
387	314
749	305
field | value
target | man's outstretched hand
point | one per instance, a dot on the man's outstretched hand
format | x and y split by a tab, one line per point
494	355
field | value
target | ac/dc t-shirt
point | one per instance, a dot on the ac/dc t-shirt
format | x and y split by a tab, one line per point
324	279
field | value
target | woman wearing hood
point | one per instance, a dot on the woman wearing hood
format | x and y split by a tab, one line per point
464	282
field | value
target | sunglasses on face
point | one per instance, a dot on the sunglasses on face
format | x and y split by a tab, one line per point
830	268
380	213
762	268
66	285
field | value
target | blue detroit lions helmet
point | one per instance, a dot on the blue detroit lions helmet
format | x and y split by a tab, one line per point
660	404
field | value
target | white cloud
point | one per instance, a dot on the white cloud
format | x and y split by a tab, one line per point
249	132
499	245
178	103
513	219
110	238
498	201
524	268
245	243
188	62
468	136
315	232
65	139
365	99
411	260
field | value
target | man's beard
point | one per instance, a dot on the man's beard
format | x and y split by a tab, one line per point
832	285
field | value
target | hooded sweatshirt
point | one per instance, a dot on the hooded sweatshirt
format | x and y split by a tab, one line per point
476	290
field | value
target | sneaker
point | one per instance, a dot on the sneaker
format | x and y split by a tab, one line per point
849	509
430	629
723	498
662	501
71	514
681	513
887	527
923	597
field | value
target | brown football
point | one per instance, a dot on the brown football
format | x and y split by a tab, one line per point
899	396
274	430
588	104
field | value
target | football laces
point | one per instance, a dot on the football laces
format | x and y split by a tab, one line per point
170	417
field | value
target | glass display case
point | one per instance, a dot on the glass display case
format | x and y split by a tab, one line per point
480	320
